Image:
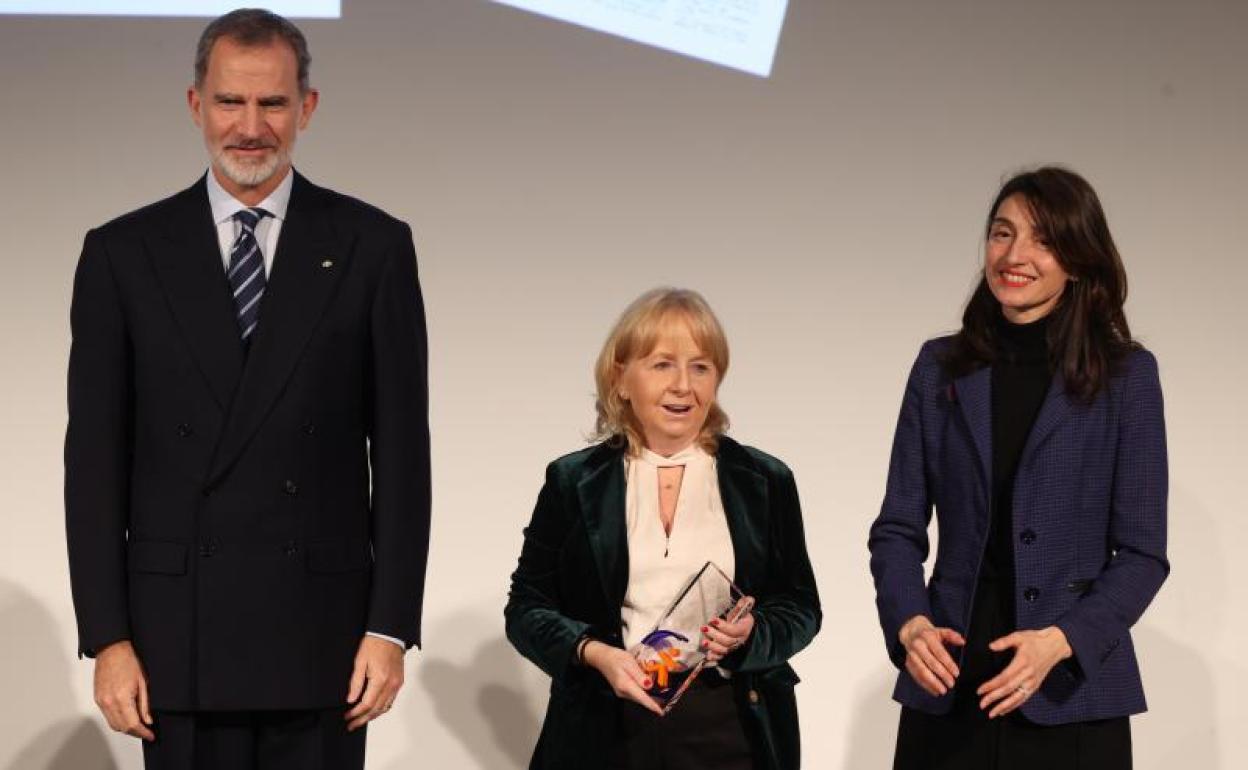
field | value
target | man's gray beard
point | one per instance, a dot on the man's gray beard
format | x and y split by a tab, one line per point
250	174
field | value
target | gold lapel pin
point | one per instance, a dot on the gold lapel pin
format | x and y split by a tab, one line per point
327	263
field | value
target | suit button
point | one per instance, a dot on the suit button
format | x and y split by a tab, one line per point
184	430
291	488
753	696
291	548
308	429
1031	594
1027	536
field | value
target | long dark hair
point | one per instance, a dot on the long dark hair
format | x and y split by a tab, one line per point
1087	331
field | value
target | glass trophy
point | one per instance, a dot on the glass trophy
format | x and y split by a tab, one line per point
671	654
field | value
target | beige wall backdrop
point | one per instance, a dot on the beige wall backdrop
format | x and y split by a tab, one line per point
831	214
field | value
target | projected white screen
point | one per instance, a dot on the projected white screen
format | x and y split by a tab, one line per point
305	9
741	34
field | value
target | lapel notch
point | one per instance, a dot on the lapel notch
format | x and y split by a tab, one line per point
601	496
188	266
973	393
1053	412
298	291
743	491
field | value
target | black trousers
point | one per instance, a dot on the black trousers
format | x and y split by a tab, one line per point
254	740
965	739
704	730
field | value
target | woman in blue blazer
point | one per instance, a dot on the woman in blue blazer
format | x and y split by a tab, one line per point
1036	434
619	526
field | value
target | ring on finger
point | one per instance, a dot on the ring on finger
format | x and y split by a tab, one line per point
1022	690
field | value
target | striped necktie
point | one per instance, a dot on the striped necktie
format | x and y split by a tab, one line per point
246	272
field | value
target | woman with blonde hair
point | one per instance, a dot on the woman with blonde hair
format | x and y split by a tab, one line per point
618	529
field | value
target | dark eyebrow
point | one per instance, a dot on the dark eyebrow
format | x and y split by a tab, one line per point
998	221
226	98
273	101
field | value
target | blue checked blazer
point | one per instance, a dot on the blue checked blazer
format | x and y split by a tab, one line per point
1089	528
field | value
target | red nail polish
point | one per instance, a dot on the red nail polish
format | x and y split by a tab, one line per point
704	629
646	684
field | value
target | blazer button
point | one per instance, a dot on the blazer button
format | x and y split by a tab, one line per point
308	429
1031	594
291	548
291	487
1027	536
753	696
184	430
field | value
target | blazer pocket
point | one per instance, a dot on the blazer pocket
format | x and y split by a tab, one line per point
338	556
1079	587
157	558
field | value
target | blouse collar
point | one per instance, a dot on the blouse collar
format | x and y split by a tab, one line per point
687	456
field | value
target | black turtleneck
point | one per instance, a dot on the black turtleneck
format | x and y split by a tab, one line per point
1020	381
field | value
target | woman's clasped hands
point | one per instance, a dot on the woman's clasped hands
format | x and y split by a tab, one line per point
927	659
1035	654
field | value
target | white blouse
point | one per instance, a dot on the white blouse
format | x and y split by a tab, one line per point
659	565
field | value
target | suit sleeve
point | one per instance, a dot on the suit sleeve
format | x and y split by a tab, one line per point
98	448
399	447
898	539
1137	526
535	625
788	613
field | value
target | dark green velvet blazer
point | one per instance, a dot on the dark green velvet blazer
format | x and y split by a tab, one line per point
573	572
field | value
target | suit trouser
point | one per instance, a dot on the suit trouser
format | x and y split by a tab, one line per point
254	740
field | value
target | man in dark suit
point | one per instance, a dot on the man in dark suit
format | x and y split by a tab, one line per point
247	457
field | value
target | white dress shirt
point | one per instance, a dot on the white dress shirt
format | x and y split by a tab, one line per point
224	207
660	564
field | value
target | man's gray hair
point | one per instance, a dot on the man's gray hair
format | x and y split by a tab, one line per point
251	27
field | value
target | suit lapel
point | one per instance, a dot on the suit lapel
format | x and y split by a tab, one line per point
601	494
973	393
187	262
743	490
306	269
1053	412
744	494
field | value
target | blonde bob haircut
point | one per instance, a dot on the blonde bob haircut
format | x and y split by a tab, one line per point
635	336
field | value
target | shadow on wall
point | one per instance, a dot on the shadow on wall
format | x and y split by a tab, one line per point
1181	728
485	702
38	731
873	725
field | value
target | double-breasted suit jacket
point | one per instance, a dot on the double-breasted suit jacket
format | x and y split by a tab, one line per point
573	574
245	516
1089	526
